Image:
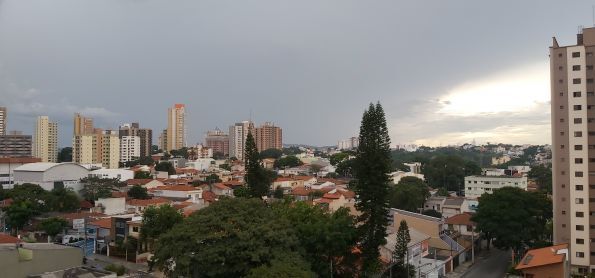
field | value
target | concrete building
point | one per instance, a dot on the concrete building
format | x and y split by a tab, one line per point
15	144
30	259
477	185
3	120
100	147
82	125
237	138
51	175
551	261
573	147
176	127
120	174
268	136
218	141
130	147
45	144
7	166
348	144
145	136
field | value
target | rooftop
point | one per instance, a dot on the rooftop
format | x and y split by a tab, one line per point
543	256
416	215
461	219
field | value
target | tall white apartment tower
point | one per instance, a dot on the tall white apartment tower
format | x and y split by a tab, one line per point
45	144
3	120
129	148
237	138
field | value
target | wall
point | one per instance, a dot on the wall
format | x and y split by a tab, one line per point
45	258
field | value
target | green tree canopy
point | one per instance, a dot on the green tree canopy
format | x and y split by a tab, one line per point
19	213
371	169
138	192
543	176
339	157
63	200
95	188
65	154
403	239
291	266
409	194
165	166
53	226
229	238
257	179
513	217
142	175
212	178
158	220
449	171
32	193
271	153
146	160
288	162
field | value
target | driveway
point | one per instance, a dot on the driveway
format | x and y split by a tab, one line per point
492	264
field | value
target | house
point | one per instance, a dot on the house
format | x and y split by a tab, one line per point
336	199
146	183
398	175
418	250
462	224
111	206
102	229
120	174
51	175
268	163
434	203
222	190
140	205
286	183
548	262
305	194
178	193
453	206
308	180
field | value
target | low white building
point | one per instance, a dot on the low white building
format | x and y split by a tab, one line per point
51	175
7	166
201	164
178	193
475	186
111	206
398	175
120	174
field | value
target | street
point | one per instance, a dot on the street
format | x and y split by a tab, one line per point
490	265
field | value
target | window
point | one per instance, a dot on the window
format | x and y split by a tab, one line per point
561	120
576	54
562	159
563	225
135	229
578	147
591	200
562	133
560	68
563	185
590	80
563	212
590	120
579	201
561	94
580	254
559	54
589	67
561	146
580	214
578	174
578	120
580	227
576	67
578	187
591	159
578	134
576	94
563	173
561	107
580	241
577	107
590	94
574	81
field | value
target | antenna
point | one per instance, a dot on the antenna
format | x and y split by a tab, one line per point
250	119
593	14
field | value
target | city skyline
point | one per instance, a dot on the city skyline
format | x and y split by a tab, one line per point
331	60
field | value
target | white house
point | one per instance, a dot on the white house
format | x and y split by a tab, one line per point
111	206
475	186
201	164
51	175
120	174
398	175
179	193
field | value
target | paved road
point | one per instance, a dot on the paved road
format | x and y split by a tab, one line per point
490	265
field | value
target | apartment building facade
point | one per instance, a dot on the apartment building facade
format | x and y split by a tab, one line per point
573	148
97	148
218	141
145	136
130	148
45	145
268	136
82	125
176	127
15	144
3	120
475	186
237	138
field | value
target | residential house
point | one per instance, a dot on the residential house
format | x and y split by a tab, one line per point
111	206
462	224
140	205
418	251
221	189
336	199
286	183
548	262
102	229
146	183
453	206
178	193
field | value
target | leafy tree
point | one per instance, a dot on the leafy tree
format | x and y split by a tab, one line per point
403	239
433	213
212	178
182	152
285	266
218	155
146	160
543	176
373	163
53	226
449	171
225	166
158	220
409	194
315	168
138	192
95	188
326	237
165	166
278	194
226	239
65	154
338	158
31	193
257	179
241	192
19	213
63	200
345	168
514	218
271	153
142	175
442	192
288	162
291	151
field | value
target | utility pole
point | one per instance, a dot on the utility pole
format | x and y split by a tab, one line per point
472	246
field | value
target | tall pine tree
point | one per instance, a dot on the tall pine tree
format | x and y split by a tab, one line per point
256	178
403	239
371	169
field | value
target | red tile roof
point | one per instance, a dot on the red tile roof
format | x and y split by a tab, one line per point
148	202
542	256
209	196
118	194
4	238
85	204
19	159
333	196
138	181
175	188
221	186
304	178
461	219
105	223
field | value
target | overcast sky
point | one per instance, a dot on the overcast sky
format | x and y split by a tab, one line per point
446	72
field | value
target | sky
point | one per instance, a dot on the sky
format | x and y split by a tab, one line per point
446	72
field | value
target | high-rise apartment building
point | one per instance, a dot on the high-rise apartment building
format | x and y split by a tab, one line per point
573	147
15	144
145	136
348	144
268	136
110	149
82	125
3	120
45	144
130	147
102	147
176	127
237	138
218	141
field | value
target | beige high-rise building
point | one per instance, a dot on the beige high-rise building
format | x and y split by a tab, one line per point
82	125
97	148
45	145
110	149
3	120
176	127
237	138
573	148
268	136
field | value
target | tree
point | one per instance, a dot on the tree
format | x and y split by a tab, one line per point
218	155
226	239
33	194
63	200
288	162
95	188
403	239
315	168
371	169
158	220
212	178
433	213
225	166
409	194
543	176
257	180
165	166
271	153
241	192
65	154
345	168
514	218
53	226
19	213
449	171
146	160
142	175
285	266
338	158
278	193
182	152
138	192
442	192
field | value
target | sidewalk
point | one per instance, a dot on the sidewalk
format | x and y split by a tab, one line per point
112	260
